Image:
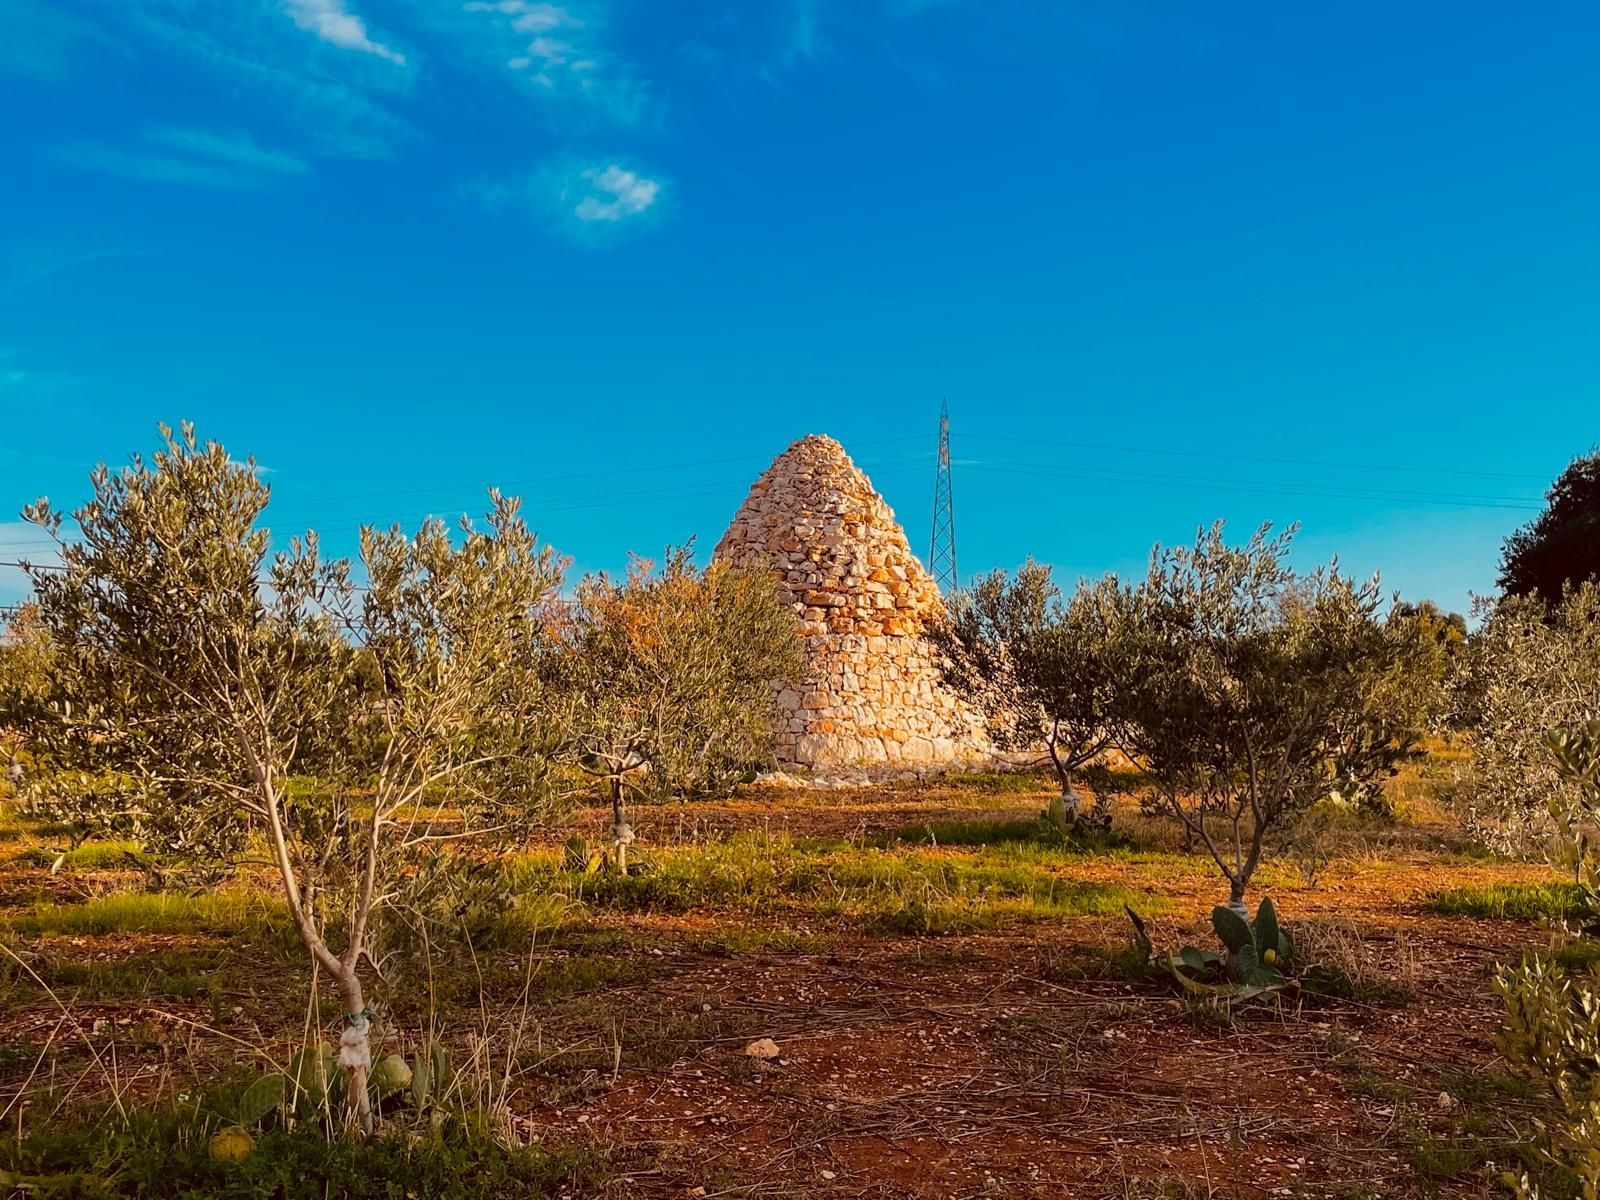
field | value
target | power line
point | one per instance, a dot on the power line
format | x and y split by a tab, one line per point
1270	488
1408	467
1374	492
699	489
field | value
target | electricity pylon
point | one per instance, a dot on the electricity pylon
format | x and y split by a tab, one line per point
942	545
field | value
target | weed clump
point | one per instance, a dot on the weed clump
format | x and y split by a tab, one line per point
1523	901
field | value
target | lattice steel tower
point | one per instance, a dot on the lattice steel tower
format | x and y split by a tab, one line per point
942	545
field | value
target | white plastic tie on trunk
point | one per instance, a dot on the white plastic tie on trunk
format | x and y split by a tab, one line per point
355	1051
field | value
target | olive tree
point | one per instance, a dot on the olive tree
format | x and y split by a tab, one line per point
1039	666
671	674
1552	1028
24	683
220	674
1529	669
1402	696
1239	677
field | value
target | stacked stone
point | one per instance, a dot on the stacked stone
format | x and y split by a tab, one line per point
873	696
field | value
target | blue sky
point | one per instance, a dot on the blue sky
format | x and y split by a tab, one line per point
1168	262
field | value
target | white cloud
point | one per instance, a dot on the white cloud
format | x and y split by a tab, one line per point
333	23
591	204
527	16
615	194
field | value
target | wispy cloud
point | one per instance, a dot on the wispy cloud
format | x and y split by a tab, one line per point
335	24
337	101
34	263
202	159
239	149
151	168
591	204
559	51
42	38
801	40
16	379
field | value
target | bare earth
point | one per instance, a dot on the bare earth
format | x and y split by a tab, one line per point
1009	1062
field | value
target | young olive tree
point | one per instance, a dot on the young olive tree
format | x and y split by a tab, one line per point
1402	696
671	677
58	775
1040	667
24	685
1529	669
1239	677
223	677
1552	1028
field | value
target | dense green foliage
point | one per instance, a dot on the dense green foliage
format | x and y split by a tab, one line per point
1560	548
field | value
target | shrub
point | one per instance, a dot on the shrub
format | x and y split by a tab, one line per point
1529	670
1552	1033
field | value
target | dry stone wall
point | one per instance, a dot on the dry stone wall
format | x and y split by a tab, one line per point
873	696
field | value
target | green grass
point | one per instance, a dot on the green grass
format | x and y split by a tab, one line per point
1578	955
902	889
152	912
1523	901
1000	783
1487	1087
88	857
1017	833
737	940
175	973
166	1155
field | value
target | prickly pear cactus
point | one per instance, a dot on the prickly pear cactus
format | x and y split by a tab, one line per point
1258	955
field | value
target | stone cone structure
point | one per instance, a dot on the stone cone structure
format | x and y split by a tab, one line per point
873	696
